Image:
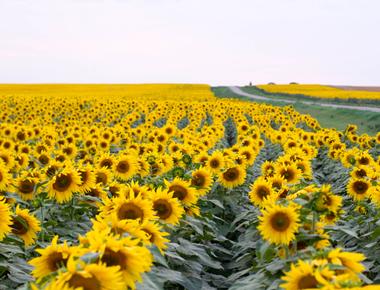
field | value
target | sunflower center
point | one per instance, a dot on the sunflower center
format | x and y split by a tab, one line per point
55	261
87	283
101	178
130	211
26	186
360	187
19	226
179	191
198	180
163	208
361	173
106	163
1	176
43	159
307	282
280	221
364	161
62	182
122	167
231	174
112	258
83	176
51	170
262	191
214	163
288	174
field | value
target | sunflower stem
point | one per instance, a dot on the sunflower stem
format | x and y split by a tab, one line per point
286	248
313	225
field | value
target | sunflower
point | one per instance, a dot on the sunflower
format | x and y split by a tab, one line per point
216	161
232	177
121	252
62	186
87	178
103	175
328	201
119	227
167	208
279	224
349	260
300	276
201	180
359	189
53	168
25	226
89	277
182	190
375	196
136	189
261	190
249	154
290	172
156	235
22	160
25	186
268	168
133	208
106	160
277	182
51	259
5	218
5	177
125	167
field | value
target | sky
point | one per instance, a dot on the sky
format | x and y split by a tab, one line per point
219	42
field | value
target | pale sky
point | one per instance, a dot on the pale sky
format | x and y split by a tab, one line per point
190	41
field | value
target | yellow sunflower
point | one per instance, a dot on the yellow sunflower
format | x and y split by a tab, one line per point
156	235
167	208
125	167
133	208
232	177
5	218
25	225
300	276
359	189
201	180
5	177
289	172
119	227
261	190
62	186
87	178
215	162
182	190
103	175
122	252
349	260
89	277
25	186
328	201
279	224
51	259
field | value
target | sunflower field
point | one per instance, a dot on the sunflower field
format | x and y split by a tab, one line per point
320	91
155	187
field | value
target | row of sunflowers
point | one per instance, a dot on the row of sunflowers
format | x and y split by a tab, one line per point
321	91
169	191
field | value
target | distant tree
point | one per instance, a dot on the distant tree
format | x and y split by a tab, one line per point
271	83
250	84
293	83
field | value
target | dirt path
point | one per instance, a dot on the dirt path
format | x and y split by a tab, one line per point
238	91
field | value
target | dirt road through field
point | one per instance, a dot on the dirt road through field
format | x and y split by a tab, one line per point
238	91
